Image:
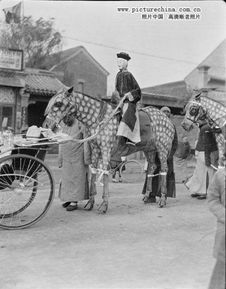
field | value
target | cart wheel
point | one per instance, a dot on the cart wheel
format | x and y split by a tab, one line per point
132	172
26	191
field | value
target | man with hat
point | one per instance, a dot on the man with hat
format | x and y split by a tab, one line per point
127	86
166	110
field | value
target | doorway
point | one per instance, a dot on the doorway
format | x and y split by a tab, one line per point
36	113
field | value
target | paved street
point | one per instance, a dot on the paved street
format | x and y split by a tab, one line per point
132	246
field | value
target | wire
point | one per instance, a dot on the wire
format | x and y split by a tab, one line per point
132	51
137	52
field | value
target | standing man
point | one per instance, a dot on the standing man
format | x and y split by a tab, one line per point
74	184
126	85
166	110
216	201
207	154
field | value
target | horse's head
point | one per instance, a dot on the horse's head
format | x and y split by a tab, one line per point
60	108
194	113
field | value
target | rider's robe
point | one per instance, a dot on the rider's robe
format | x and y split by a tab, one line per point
129	126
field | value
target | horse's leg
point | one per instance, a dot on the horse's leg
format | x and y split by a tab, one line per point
104	205
221	148
106	153
119	176
114	174
163	174
93	190
89	205
149	175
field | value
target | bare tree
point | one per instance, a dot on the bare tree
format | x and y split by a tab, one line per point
37	38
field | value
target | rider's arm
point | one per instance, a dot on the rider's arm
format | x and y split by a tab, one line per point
135	89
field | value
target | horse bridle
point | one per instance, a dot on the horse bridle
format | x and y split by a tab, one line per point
65	113
199	113
204	114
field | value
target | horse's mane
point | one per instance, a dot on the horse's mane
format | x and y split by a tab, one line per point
204	94
52	99
213	100
212	94
89	96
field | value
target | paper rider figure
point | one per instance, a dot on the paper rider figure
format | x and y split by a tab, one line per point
126	85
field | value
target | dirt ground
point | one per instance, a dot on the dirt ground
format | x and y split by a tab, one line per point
132	246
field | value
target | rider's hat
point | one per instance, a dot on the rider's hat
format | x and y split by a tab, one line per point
124	56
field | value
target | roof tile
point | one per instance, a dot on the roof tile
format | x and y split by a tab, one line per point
42	82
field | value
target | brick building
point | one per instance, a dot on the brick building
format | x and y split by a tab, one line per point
76	67
210	73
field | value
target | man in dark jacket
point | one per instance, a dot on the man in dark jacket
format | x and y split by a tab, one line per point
207	155
127	86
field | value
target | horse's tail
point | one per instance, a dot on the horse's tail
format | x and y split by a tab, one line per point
174	143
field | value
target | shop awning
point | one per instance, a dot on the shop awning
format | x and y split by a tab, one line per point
41	82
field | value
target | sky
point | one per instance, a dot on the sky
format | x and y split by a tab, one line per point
161	50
